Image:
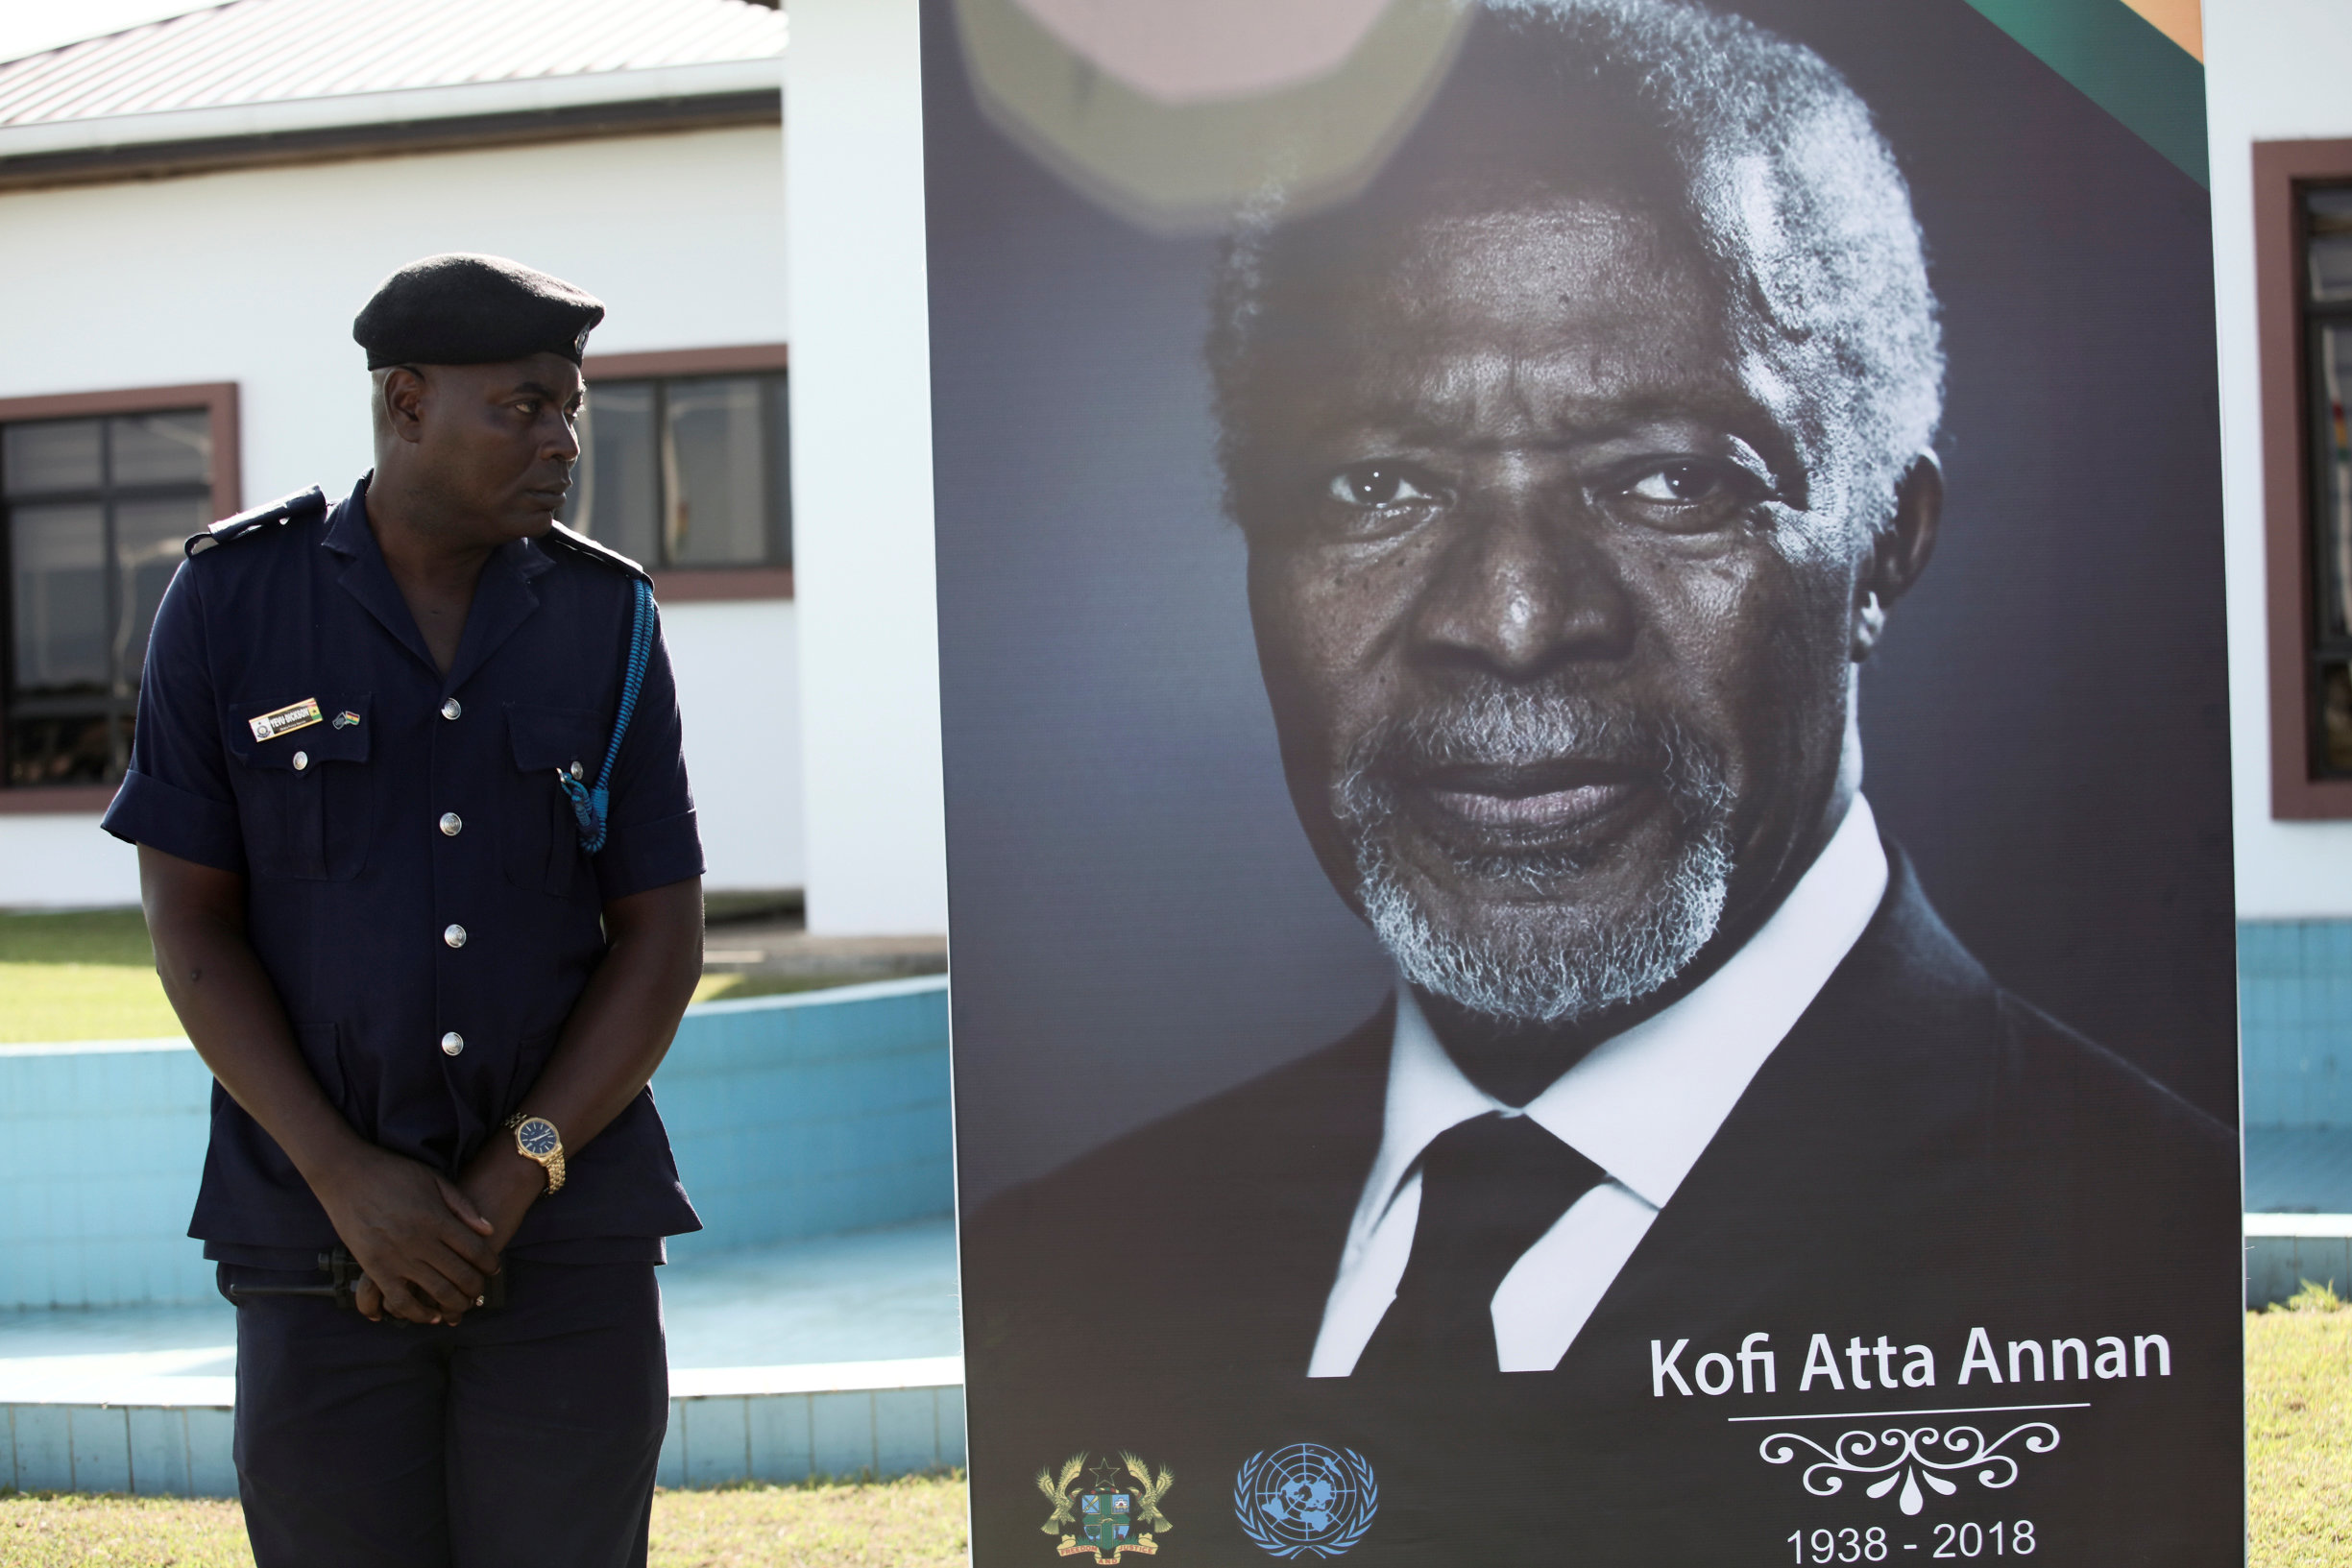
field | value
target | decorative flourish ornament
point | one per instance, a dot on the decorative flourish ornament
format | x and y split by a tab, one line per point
1908	1456
1306	1499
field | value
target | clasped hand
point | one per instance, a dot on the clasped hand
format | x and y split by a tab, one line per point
427	1246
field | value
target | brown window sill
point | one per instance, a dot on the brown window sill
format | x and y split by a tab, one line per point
2310	800
704	586
52	800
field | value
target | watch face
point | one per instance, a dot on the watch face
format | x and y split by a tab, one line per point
538	1137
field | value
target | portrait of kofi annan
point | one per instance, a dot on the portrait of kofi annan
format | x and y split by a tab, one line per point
1581	461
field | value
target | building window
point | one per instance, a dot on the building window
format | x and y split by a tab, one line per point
684	472
97	505
2303	296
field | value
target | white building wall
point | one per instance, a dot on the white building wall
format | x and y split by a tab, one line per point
862	497
738	694
253	275
2275	70
63	862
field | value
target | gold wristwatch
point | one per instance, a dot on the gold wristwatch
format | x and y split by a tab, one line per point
535	1138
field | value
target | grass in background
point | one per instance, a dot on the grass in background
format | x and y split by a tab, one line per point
2298	1432
914	1523
88	975
723	906
42	1531
739	987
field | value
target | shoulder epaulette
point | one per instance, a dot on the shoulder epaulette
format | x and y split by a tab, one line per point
562	538
305	506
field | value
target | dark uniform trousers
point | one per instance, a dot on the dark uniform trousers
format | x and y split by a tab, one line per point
528	1433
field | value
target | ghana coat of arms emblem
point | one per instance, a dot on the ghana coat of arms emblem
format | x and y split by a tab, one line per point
1112	1510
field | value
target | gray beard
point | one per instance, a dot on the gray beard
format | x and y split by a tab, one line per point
1537	971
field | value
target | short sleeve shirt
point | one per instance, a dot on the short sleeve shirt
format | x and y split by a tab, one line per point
418	888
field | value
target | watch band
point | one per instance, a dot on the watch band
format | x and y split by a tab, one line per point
552	1164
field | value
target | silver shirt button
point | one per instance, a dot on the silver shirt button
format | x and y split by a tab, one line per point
451	709
451	824
576	770
454	936
452	1043
302	761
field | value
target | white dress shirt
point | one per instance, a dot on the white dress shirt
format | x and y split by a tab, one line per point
1643	1105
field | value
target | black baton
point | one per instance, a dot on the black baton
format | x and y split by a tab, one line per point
342	1288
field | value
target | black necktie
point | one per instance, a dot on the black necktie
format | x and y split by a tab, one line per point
1491	1187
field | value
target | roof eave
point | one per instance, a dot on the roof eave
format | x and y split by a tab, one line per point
420	119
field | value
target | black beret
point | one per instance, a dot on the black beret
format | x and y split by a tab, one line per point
473	310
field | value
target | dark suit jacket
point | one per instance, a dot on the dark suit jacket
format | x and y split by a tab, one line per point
1924	1155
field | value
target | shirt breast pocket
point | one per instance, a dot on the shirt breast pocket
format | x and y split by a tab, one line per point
305	796
539	837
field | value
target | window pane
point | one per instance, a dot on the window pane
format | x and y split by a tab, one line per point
150	541
614	494
164	448
54	454
780	455
715	460
2334	720
60	601
80	749
2327	220
2333	548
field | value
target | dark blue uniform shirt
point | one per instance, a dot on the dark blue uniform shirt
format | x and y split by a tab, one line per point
420	803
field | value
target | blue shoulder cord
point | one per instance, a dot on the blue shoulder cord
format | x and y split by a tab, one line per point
587	804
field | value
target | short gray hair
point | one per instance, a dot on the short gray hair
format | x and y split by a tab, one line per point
1792	193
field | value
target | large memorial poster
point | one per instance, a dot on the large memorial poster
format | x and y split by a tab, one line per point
1589	839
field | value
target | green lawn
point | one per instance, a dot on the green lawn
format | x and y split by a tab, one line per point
91	976
2298	1427
914	1523
87	975
740	986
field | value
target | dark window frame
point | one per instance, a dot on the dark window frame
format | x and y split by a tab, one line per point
2325	578
705	583
219	400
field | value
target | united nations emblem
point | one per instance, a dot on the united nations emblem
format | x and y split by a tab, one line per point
1305	1498
1118	1512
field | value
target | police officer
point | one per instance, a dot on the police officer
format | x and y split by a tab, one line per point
424	887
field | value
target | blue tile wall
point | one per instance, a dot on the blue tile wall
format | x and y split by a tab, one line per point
712	1441
799	1116
99	1148
878	1433
790	1115
2295	1010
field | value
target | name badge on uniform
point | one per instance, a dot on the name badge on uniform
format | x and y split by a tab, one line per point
299	715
